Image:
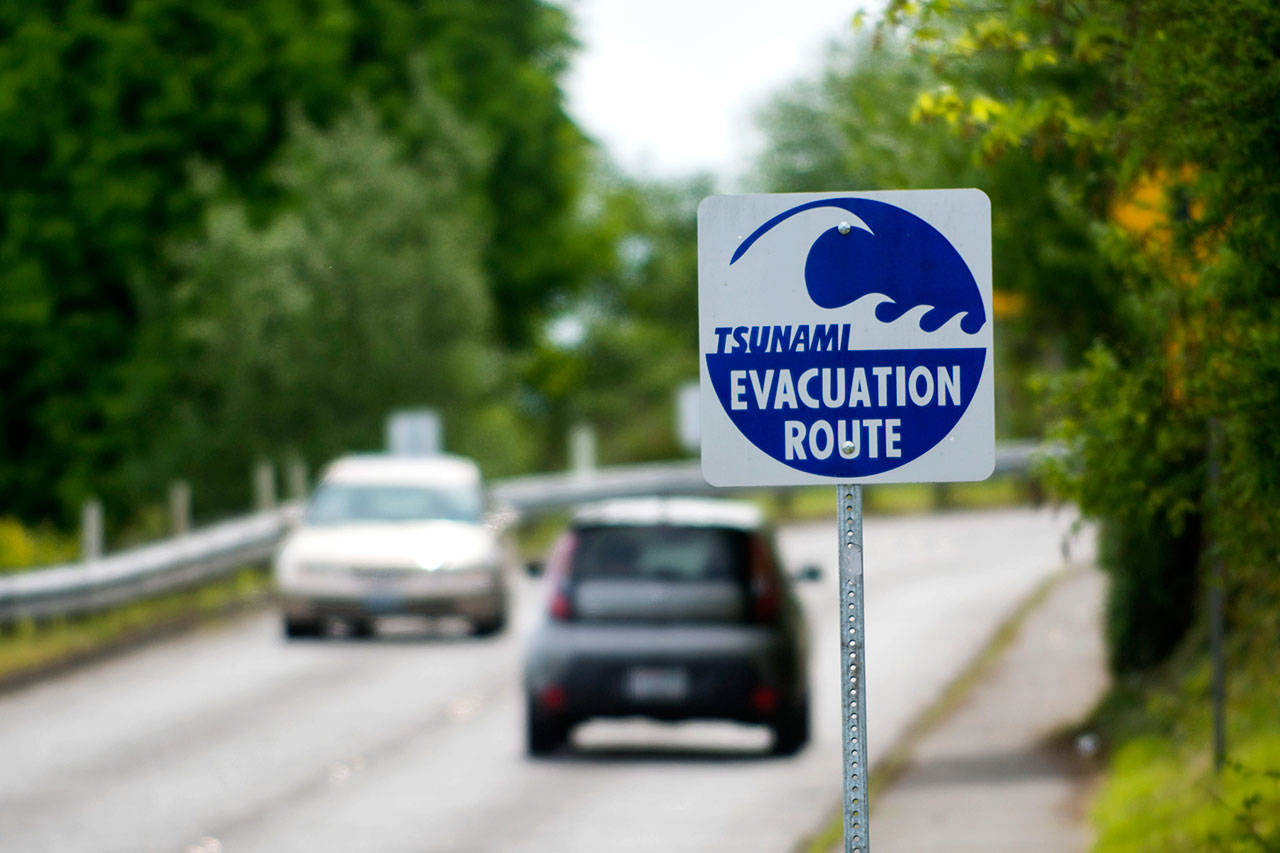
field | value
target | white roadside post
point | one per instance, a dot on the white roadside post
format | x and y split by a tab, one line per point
179	507
296	478
91	528
582	449
846	339
264	485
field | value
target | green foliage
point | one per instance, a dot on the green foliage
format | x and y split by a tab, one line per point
1151	601
616	354
1161	793
1149	805
22	547
1108	410
852	127
1029	76
857	127
364	294
103	108
1158	123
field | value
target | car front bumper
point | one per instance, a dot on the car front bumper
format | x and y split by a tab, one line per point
477	594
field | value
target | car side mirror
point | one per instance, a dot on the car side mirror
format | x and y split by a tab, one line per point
534	568
810	573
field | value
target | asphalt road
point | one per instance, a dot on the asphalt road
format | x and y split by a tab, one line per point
231	739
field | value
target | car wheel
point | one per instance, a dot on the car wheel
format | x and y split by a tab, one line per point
544	735
360	628
791	728
489	626
296	629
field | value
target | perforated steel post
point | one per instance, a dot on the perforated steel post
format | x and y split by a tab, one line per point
852	671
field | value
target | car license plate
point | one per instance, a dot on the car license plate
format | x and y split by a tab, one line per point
383	600
657	684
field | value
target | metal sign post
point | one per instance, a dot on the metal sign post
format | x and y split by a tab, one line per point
853	671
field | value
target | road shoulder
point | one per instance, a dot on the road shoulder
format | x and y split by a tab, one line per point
989	776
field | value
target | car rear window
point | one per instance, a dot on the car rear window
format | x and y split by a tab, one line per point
661	552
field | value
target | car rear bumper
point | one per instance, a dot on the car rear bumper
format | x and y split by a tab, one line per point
743	674
715	689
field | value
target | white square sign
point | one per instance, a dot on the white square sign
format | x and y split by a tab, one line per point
846	337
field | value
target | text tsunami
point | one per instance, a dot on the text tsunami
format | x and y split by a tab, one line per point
820	337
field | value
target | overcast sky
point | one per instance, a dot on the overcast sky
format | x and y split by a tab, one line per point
669	86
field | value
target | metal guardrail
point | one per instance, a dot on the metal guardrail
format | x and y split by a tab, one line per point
215	551
137	573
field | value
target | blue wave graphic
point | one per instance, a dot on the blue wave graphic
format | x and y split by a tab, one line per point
904	259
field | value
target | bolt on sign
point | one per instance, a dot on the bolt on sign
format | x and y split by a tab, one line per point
846	337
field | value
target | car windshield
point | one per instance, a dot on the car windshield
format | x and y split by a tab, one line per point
342	503
660	552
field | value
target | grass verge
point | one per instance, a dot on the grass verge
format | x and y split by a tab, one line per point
1160	791
29	649
899	757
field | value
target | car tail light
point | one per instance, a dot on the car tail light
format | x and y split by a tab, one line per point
560	604
553	698
764	699
766	594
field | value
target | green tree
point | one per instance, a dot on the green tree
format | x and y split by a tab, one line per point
364	293
103	106
1159	121
618	351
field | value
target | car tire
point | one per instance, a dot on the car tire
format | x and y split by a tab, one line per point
489	626
300	629
791	728
361	629
544	734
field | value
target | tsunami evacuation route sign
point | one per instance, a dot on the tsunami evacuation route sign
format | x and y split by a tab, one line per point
846	337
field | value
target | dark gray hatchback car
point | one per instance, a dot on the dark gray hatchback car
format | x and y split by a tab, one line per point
671	609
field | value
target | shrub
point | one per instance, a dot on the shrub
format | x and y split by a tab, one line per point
1152	597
